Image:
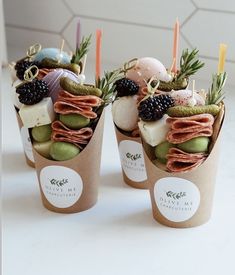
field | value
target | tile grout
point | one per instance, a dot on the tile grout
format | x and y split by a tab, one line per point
217	11
189	17
30	29
68	7
61	33
212	10
69	20
123	22
66	24
186	39
195	5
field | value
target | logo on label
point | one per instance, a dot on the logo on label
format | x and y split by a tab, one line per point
132	160
61	186
133	157
177	199
27	143
59	182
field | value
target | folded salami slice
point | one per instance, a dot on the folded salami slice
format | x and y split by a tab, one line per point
186	128
180	161
78	137
83	100
71	104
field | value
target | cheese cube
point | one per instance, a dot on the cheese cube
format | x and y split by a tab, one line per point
15	96
154	132
38	114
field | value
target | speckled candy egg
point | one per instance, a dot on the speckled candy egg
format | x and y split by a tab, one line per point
145	68
184	97
53	81
53	53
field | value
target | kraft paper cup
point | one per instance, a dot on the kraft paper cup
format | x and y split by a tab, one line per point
132	160
71	186
27	145
183	199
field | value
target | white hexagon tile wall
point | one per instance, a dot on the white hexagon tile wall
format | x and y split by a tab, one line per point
139	28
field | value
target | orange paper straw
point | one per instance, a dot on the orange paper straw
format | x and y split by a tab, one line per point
98	53
176	45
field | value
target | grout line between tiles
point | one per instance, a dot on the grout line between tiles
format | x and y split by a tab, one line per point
123	22
217	11
189	17
195	5
186	39
30	29
66	24
68	7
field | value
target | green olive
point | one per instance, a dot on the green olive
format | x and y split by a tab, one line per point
74	121
195	145
63	151
42	133
161	150
43	148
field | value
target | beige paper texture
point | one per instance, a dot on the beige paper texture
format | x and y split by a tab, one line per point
86	164
136	184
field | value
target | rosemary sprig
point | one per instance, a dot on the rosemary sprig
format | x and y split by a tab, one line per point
81	50
107	86
215	94
189	64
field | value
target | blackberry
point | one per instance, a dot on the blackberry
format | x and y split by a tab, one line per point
155	107
125	87
22	65
32	92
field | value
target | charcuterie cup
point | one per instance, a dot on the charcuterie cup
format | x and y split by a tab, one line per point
72	186
184	199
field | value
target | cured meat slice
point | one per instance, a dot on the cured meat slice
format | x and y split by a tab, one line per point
78	137
180	161
201	119
71	104
176	138
83	100
186	128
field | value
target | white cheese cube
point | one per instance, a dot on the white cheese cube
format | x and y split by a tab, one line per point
38	114
154	132
15	96
15	99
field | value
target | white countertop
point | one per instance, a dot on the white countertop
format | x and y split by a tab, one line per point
118	235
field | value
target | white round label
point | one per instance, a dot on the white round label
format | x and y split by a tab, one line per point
177	199
61	186
27	143
132	160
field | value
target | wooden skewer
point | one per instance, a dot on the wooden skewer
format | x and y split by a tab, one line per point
193	85
172	65
84	64
61	49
